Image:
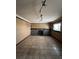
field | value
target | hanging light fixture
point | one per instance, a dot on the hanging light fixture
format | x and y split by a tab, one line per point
41	17
42	5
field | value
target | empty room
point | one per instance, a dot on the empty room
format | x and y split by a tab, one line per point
38	29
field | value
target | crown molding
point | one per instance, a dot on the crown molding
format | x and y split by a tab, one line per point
22	18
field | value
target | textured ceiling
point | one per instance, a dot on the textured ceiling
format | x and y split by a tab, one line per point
29	10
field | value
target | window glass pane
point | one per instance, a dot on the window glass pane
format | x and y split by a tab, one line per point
57	27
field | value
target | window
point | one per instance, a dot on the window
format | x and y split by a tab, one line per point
57	27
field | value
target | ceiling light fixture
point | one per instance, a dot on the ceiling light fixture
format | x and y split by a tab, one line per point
41	17
42	5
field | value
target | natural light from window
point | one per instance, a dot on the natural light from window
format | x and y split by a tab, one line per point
57	27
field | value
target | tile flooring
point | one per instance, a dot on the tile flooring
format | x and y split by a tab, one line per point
39	47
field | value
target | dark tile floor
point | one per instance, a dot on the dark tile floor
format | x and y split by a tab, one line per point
39	47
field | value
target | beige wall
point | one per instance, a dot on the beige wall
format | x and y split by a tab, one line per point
40	25
22	29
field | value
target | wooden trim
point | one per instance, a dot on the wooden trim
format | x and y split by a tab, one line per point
39	29
22	40
56	21
22	19
39	23
17	16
